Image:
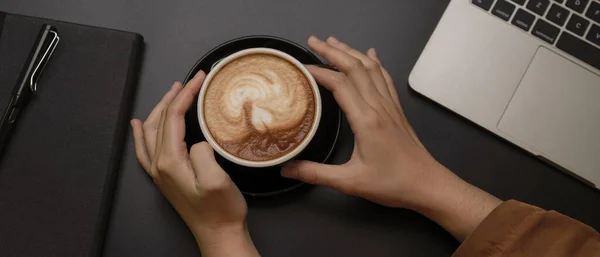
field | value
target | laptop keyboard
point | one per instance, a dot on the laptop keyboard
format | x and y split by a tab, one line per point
573	26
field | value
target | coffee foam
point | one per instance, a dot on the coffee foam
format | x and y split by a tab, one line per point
259	107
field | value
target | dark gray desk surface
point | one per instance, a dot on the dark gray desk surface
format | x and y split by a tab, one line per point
315	221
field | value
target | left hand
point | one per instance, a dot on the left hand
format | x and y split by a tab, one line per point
197	187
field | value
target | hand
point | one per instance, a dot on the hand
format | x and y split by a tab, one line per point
201	192
389	165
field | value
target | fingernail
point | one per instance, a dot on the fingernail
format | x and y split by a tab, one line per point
371	53
288	174
198	74
288	170
313	39
333	40
374	52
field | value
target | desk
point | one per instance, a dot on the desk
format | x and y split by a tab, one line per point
313	221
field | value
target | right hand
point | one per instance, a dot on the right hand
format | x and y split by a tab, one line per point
389	165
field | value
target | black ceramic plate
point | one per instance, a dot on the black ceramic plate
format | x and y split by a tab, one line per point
267	181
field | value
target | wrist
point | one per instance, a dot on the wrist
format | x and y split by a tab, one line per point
225	241
454	204
433	179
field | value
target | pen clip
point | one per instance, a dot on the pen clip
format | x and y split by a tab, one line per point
39	67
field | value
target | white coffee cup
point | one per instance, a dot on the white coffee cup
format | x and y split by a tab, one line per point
269	163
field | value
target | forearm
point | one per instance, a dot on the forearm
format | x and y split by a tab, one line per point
225	243
454	204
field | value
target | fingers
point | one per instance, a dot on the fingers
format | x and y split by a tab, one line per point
171	163
158	148
372	54
315	173
151	124
174	127
140	145
197	79
345	94
169	166
373	67
352	67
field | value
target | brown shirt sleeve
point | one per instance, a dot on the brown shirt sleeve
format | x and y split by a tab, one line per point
515	229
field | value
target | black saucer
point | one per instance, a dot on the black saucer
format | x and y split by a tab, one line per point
267	181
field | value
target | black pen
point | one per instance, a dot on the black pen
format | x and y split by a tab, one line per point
42	50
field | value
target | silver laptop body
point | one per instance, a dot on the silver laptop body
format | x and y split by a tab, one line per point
526	70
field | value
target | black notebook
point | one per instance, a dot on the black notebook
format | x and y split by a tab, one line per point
58	171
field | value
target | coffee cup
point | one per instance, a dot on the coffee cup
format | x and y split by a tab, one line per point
259	107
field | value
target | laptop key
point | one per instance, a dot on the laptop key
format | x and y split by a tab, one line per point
483	4
577	5
538	6
594	34
523	19
580	49
545	31
559	1
594	12
558	15
519	2
578	25
503	9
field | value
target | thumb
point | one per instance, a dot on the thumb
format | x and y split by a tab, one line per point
204	164
314	173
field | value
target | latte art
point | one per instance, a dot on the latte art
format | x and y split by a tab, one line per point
267	98
259	107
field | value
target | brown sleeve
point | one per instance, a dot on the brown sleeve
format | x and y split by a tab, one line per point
517	229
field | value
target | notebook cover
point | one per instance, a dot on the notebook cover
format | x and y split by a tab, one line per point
57	174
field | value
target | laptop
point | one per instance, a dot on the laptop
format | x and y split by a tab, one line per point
526	70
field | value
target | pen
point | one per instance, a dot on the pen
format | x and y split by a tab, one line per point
42	50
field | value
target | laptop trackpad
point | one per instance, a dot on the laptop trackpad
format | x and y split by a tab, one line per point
556	112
